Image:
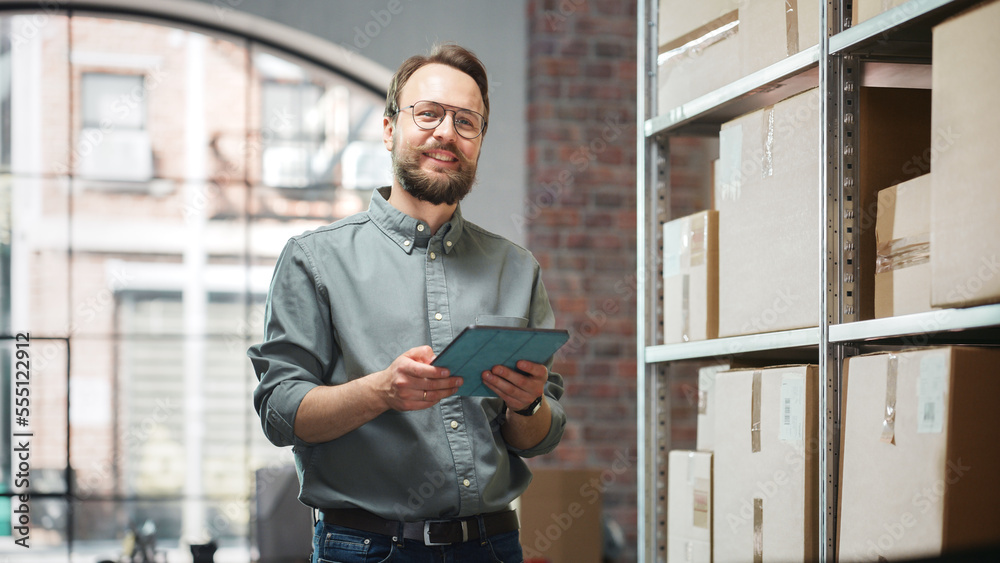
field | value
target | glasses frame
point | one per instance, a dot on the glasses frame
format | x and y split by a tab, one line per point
445	109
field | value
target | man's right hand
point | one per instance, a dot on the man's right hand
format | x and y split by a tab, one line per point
411	383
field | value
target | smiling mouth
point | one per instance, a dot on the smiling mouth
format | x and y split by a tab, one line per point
440	156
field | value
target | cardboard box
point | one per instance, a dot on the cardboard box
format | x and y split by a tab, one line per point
691	278
965	202
921	482
705	441
894	139
560	514
765	479
903	239
868	9
682	21
694	69
704	46
768	203
767	199
689	507
772	30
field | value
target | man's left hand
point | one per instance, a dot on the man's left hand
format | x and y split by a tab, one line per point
518	388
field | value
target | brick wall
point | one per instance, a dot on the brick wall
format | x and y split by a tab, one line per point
581	220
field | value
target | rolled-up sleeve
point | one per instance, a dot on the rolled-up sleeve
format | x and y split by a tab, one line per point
541	316
298	352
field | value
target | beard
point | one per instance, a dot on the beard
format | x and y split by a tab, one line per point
436	189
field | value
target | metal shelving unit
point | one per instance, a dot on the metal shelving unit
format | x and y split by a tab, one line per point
892	49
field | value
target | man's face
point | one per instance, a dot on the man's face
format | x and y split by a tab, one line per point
434	165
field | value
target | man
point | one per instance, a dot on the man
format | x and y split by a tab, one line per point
395	461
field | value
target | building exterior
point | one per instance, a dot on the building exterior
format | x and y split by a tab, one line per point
151	175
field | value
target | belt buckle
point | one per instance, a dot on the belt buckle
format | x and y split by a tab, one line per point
427	531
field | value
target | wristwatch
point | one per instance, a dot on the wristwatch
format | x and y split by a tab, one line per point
532	408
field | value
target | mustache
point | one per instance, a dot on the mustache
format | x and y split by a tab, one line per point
450	147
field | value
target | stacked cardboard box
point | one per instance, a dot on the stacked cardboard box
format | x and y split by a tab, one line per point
706	405
965	232
689	507
698	49
708	44
765	489
867	9
902	233
919	456
560	514
771	30
894	130
766	195
691	278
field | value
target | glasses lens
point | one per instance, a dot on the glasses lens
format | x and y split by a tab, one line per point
468	123
427	115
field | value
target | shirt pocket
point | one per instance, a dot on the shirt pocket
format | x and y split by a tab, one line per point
495	320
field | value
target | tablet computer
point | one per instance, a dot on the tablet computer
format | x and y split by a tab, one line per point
478	348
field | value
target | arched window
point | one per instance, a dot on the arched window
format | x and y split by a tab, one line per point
150	172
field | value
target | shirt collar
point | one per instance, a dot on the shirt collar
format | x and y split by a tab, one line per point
408	232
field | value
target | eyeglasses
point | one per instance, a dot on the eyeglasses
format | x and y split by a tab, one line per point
428	115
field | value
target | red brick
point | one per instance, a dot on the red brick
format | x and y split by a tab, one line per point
571	304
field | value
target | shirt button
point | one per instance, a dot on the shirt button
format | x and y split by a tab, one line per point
406	243
448	243
433	256
420	227
454	424
438	316
466	482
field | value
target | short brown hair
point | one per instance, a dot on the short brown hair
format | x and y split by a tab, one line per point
447	54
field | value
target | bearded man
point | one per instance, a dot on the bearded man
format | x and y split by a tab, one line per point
397	466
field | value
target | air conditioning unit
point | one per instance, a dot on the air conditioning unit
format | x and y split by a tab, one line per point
116	155
366	165
286	167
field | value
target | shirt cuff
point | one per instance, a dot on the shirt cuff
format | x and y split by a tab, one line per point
551	439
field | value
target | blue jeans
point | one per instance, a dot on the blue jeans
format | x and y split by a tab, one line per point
336	544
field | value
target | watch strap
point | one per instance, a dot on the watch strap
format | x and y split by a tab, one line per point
532	408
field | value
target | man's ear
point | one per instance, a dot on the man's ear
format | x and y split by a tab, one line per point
388	128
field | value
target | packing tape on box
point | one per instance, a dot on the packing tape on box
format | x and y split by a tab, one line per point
692	44
758	530
889	420
755	413
729	182
686	308
686	280
677	249
673	248
695	251
932	385
767	158
902	253
792	26
701	500
698	237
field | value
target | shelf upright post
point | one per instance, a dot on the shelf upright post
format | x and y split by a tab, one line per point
829	171
650	434
840	218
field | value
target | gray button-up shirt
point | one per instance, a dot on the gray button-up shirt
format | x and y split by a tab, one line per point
347	299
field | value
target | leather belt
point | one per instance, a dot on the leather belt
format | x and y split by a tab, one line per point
430	532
